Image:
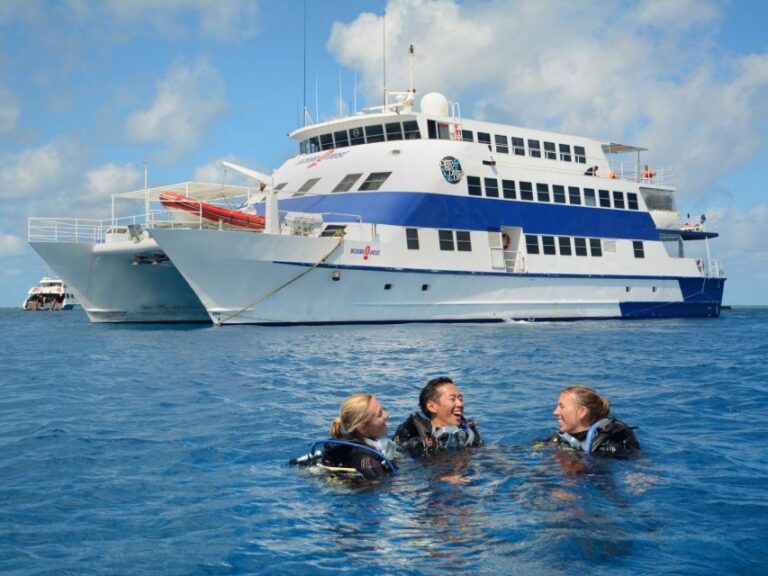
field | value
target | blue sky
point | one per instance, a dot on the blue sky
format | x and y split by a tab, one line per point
90	90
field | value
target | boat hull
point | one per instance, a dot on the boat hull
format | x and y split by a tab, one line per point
251	278
124	282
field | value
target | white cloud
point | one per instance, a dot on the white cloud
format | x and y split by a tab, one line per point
230	21
186	104
11	245
111	179
37	171
9	111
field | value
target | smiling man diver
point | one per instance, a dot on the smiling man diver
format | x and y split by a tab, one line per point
441	426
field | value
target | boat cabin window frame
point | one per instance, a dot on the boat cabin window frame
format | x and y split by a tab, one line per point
574	195
474	186
445	238
526	190
548	245
550	152
502	143
374	181
565	152
374	133
306	187
356	136
534	148
542	192
393	131
412	238
508	189
580	154
595	247
411	130
590	198
341	138
346	183
532	244
558	194
580	247
564	245
604	198
638	248
632	202
467	135
491	187
618	199
518	146
326	141
463	241
484	138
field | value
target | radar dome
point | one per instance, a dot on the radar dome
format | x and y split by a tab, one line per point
434	104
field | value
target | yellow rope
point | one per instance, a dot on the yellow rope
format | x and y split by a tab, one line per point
220	321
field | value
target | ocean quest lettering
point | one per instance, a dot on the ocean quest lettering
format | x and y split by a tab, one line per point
329	155
366	252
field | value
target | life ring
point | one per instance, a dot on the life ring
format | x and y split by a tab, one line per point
506	241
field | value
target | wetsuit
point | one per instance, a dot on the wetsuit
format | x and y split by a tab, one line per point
612	437
370	463
416	436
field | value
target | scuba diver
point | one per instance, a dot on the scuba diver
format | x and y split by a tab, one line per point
582	417
354	449
442	426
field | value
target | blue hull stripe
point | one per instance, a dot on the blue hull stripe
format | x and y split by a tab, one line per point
421	210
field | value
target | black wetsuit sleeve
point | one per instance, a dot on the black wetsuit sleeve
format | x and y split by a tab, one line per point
408	440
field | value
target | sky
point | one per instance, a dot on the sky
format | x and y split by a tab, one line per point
92	91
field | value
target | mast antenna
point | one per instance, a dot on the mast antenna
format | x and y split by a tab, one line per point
384	51
305	63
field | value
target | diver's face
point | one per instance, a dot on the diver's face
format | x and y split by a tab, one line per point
376	423
448	408
571	416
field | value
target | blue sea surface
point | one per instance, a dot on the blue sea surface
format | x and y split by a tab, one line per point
161	449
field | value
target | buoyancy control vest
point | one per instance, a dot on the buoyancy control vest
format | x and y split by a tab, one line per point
417	437
606	436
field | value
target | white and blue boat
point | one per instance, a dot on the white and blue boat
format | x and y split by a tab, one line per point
404	215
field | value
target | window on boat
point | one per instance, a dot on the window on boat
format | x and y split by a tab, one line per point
314	145
580	246
534	148
502	144
508	189
532	244
605	199
374	181
518	144
548	245
394	131
549	151
438	130
374	133
632	201
542	192
412	238
618	199
637	246
484	138
281	186
356	136
565	152
564	243
473	186
468	135
346	183
589	197
491	187
579	154
658	199
411	130
463	241
558	192
307	186
526	191
446	239
595	247
574	195
609	246
341	138
326	141
333	230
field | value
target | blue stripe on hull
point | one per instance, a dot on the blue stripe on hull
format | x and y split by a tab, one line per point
422	210
702	298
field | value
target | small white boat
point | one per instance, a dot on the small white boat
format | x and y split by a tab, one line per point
50	294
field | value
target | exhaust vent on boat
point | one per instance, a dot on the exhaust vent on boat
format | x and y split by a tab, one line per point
434	104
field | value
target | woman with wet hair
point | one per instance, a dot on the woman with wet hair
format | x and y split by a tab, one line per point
584	424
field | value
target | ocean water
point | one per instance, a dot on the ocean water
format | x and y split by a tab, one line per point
129	449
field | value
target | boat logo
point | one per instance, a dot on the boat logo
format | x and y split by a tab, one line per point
451	169
366	252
